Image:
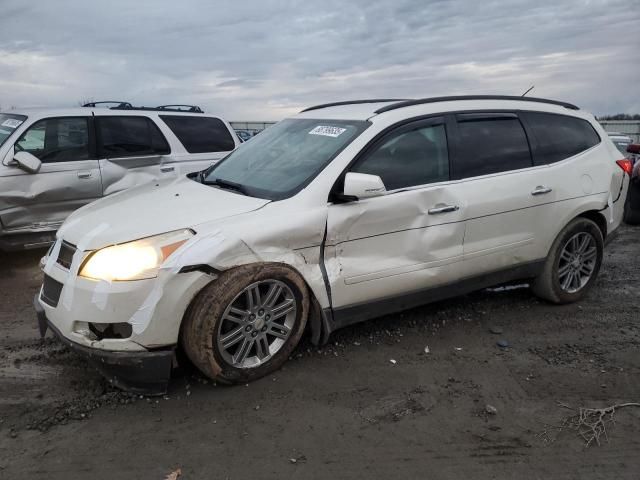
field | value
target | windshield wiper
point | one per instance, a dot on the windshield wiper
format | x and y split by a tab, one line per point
228	184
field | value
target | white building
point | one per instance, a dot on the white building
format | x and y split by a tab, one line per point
631	128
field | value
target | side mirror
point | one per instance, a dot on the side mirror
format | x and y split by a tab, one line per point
362	185
27	162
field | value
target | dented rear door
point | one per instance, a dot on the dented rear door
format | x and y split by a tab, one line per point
132	151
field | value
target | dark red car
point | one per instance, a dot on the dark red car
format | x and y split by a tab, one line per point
632	206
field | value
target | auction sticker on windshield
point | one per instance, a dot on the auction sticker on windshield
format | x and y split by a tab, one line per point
12	123
327	131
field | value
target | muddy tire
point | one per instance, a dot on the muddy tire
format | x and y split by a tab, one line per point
245	324
573	263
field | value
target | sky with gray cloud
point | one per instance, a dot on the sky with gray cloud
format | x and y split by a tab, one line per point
265	60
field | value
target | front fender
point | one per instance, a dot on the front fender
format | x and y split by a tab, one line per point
220	250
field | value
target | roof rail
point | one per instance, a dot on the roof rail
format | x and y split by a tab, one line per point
421	101
353	102
181	108
118	105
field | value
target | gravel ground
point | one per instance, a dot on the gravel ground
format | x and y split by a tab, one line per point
372	404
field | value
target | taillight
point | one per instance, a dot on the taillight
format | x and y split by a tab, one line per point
626	165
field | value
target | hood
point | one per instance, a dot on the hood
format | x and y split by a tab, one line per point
151	209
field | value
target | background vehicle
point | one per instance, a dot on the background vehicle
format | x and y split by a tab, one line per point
633	152
53	161
620	140
244	135
345	212
632	205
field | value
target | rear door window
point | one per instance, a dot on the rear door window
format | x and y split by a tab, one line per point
200	134
54	140
557	137
409	157
490	143
129	136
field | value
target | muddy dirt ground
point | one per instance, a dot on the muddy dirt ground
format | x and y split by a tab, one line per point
372	404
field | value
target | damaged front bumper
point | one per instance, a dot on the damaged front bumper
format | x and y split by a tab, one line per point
144	372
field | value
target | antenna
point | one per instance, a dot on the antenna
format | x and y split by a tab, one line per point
530	88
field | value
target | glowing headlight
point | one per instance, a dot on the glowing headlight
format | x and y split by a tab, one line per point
135	260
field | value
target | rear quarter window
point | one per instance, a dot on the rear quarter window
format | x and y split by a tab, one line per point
557	137
200	134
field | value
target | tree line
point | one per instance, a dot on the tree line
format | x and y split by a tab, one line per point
620	116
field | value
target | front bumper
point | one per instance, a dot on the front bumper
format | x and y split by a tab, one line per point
146	372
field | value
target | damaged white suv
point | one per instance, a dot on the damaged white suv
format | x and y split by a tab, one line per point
53	161
342	213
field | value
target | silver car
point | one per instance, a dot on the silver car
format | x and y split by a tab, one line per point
53	161
621	141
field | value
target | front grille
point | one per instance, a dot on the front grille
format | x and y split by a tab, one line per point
65	257
51	290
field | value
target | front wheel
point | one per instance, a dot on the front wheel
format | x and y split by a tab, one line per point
245	324
573	263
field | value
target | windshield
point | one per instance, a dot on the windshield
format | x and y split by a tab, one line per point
9	122
283	159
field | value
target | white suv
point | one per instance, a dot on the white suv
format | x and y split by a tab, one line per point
53	161
342	213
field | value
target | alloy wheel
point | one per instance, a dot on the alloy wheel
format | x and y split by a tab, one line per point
257	323
577	262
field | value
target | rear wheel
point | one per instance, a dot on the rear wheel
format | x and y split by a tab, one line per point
246	323
573	263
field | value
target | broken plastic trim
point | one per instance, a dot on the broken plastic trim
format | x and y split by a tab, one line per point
119	330
145	372
208	269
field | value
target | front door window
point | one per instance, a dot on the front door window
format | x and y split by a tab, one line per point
56	140
409	158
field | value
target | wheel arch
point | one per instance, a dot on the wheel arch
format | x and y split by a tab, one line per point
593	208
598	218
316	323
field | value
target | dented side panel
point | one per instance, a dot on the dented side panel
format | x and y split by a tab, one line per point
278	232
122	173
389	245
46	198
180	164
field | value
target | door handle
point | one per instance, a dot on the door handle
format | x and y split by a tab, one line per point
541	190
84	174
443	209
167	169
